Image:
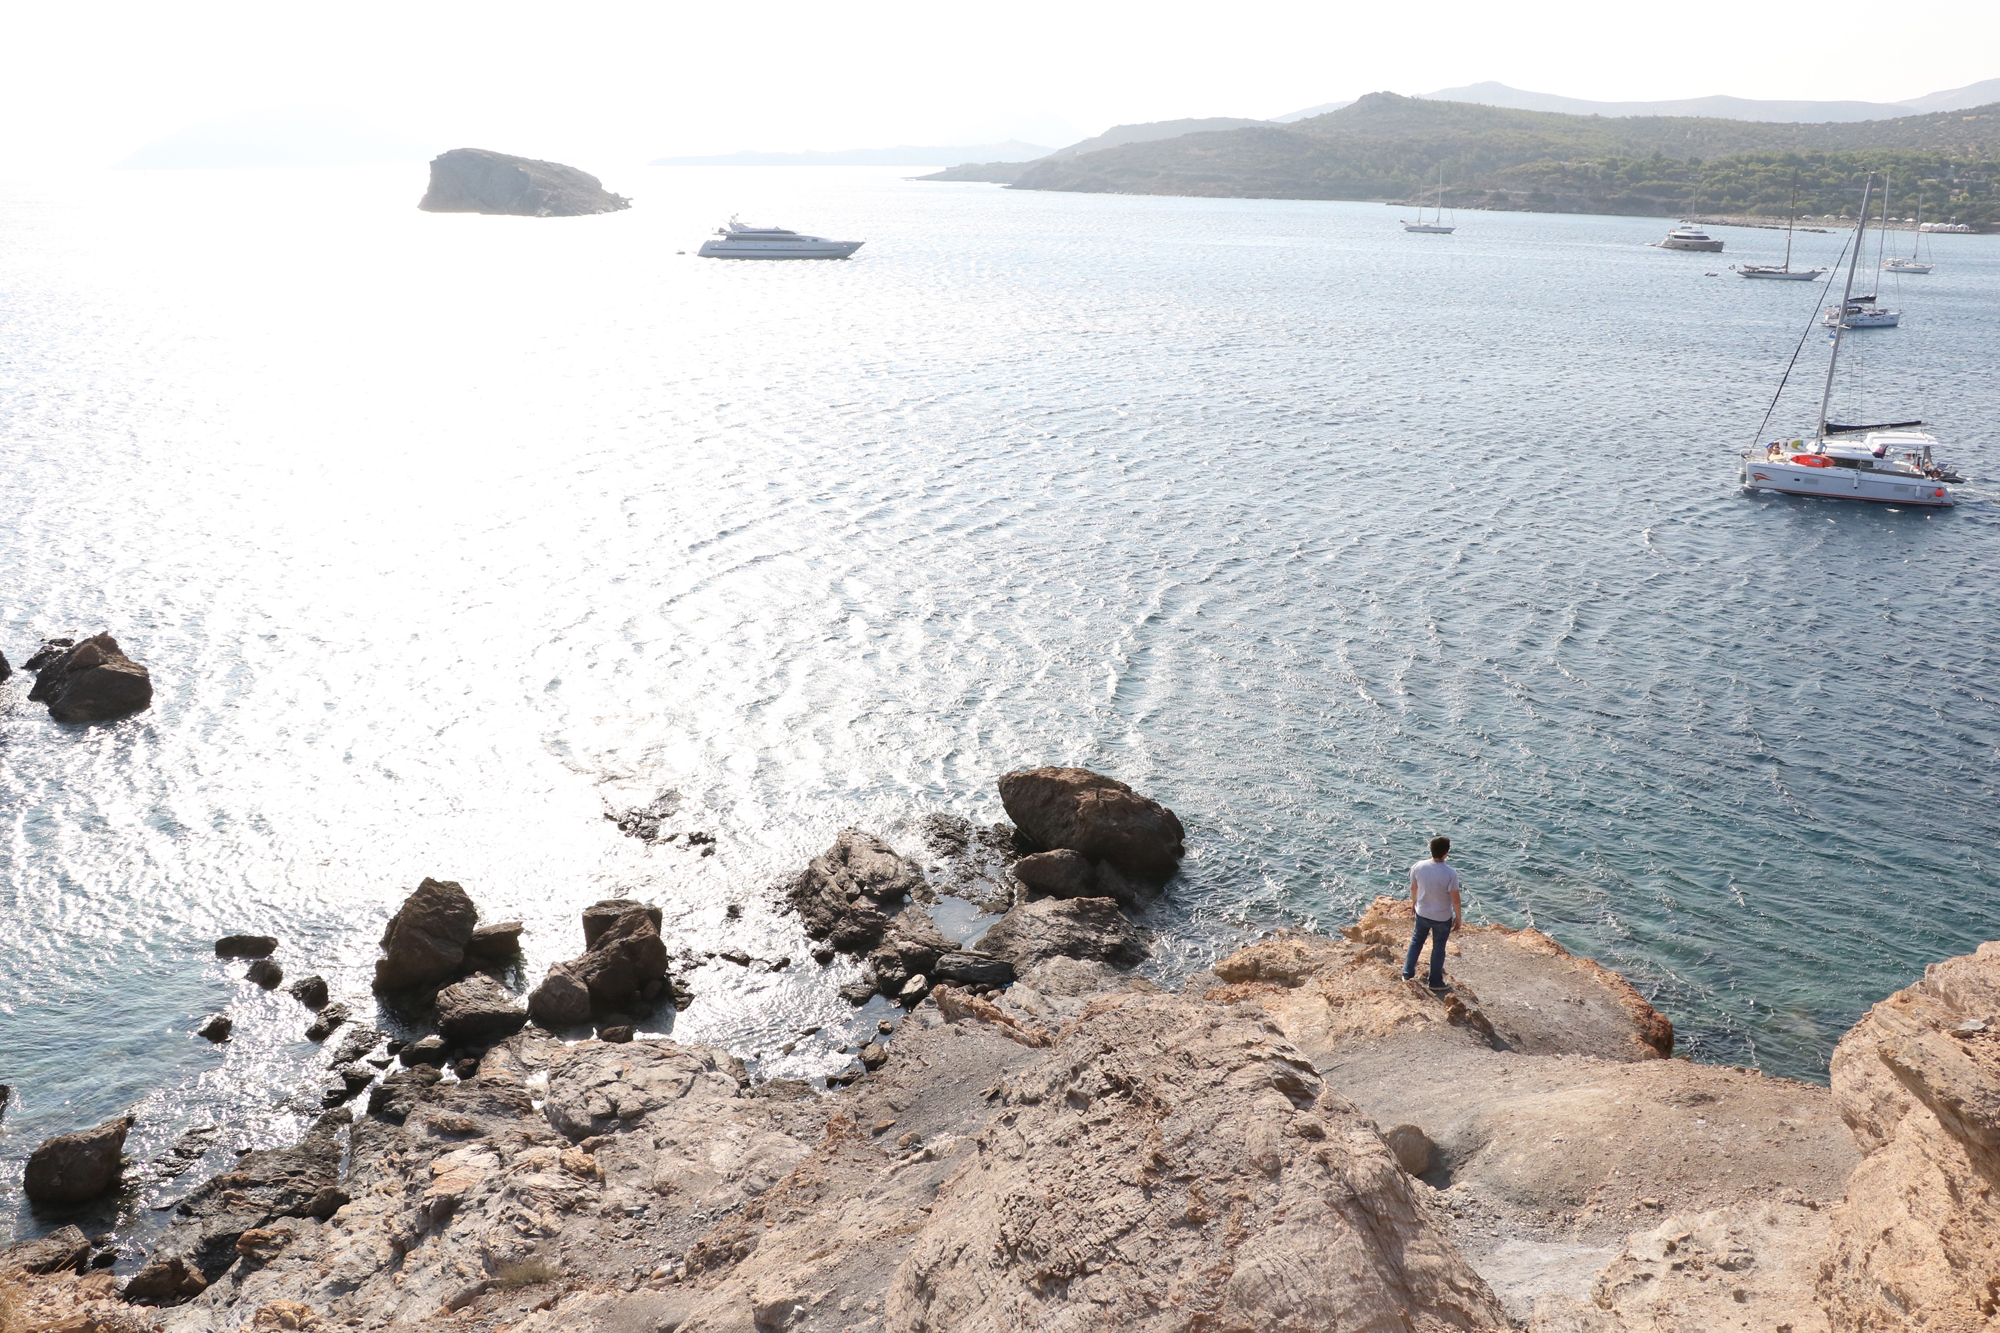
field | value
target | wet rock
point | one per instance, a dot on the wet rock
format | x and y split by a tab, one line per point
1088	928
61	1250
92	682
617	1032
246	946
627	957
1415	1153
861	991
972	860
495	943
478	180
962	967
1098	817
74	1168
603	915
478	1008
329	1018
425	941
873	1056
357	1043
349	1081
562	1000
265	973
1061	873
217	1028
5	670
395	1097
429	1051
643	821
310	992
846	893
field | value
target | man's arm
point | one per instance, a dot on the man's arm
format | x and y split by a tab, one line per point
1457	911
1413	886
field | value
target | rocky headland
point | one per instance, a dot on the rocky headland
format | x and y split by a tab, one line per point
1296	1140
477	180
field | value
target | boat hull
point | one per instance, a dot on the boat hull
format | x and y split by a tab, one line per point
1778	274
1844	483
1427	229
778	249
1712	247
1870	319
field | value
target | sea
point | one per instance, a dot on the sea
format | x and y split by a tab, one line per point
444	537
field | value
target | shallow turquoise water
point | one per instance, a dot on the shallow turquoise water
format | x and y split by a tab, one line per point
439	534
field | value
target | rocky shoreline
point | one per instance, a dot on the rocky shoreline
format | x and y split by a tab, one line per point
1298	1139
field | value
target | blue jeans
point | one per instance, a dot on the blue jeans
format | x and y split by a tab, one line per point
1437	932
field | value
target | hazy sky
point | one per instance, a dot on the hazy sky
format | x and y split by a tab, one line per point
616	82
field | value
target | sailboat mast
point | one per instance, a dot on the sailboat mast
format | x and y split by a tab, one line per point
1790	219
1840	325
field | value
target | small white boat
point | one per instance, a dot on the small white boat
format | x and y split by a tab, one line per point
1690	238
1862	313
1438	227
737	241
1889	462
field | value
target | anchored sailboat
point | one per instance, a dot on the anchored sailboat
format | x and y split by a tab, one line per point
1898	264
1438	227
1784	273
1889	461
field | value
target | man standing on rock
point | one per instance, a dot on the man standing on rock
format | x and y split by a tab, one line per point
1434	892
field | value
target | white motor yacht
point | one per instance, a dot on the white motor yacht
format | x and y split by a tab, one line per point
737	241
1690	238
1890	462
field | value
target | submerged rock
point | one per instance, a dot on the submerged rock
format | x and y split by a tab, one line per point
477	180
217	1028
1097	817
94	681
425	941
75	1168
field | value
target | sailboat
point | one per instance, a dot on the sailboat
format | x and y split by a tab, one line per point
1861	312
1889	462
1898	264
1784	273
1437	228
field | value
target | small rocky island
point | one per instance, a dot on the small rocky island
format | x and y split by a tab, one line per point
477	180
1298	1140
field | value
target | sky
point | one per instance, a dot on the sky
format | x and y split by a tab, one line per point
85	85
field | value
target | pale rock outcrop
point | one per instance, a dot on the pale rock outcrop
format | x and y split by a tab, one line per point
1089	928
1100	818
1916	1242
478	180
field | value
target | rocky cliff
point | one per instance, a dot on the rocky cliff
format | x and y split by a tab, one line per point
475	180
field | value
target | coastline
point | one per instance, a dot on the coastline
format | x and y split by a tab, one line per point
1079	1143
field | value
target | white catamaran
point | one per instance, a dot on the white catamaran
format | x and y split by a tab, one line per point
1890	461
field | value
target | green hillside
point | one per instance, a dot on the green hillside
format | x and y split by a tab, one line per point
1388	147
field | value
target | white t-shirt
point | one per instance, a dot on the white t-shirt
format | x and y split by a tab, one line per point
1434	880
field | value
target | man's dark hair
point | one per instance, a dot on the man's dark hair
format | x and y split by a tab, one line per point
1439	846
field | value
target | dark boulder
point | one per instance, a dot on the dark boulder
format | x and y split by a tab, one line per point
50	650
357	1043
265	973
913	944
429	1051
5	670
245	946
617	1032
91	682
601	916
627	959
477	180
1061	873
964	967
61	1250
846	894
495	943
74	1168
310	992
329	1018
164	1280
425	941
1089	928
1098	817
562	1000
395	1097
217	1028
346	1084
476	1008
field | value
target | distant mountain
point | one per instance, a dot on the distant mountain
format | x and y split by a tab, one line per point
1004	172
1011	151
1386	147
280	137
1958	99
1310	112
